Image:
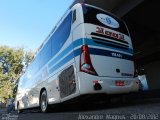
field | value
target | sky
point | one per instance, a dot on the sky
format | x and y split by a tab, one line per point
26	23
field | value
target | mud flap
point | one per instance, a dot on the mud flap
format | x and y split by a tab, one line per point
67	82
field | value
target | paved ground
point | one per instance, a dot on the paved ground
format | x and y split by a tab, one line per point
141	109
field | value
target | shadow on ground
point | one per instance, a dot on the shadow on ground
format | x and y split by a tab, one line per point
101	102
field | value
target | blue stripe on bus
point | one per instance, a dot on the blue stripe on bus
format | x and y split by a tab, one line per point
67	50
80	42
108	53
91	42
93	51
65	60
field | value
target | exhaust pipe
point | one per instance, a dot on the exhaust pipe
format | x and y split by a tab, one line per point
97	86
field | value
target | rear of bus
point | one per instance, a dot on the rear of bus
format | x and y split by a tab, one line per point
104	60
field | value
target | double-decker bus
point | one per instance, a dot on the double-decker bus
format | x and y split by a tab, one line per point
88	52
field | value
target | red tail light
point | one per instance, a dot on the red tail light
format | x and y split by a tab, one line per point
85	61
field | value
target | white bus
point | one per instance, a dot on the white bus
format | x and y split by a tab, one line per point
88	52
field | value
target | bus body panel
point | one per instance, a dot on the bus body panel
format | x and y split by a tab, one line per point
62	77
107	83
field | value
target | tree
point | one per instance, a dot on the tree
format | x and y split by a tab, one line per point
12	62
6	88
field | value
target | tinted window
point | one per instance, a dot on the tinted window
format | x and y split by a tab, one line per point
51	47
61	34
33	67
46	53
22	82
90	14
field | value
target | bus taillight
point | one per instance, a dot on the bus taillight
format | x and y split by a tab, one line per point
85	61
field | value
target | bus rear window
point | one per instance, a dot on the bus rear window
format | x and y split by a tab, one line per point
90	16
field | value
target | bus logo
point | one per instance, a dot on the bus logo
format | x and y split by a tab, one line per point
107	20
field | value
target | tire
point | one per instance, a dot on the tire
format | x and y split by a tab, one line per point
18	109
44	107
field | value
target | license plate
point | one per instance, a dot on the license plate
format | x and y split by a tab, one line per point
119	83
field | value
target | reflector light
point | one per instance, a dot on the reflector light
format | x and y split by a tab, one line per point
95	81
119	83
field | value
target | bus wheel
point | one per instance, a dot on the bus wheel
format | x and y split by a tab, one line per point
18	109
43	102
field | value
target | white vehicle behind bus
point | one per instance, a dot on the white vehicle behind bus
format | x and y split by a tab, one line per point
88	52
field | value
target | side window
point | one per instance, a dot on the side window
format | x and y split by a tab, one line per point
33	67
29	71
74	16
22	82
53	45
61	34
46	53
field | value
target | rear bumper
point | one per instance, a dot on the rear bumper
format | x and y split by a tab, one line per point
86	84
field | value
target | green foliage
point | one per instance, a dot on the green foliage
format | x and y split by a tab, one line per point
5	90
12	62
